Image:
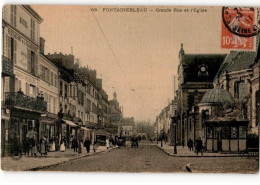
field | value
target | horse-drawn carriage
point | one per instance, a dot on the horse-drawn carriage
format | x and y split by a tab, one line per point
121	142
134	142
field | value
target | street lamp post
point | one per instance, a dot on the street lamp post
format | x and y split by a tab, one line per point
175	131
161	138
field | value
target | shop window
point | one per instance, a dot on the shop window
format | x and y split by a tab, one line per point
209	132
234	134
225	132
242	132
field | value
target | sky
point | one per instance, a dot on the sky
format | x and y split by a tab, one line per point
136	54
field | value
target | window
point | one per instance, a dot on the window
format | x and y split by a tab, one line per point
205	116
52	83
13	49
94	108
209	132
47	75
239	90
43	73
55	80
32	90
32	30
88	105
234	133
13	15
31	62
66	91
242	132
225	132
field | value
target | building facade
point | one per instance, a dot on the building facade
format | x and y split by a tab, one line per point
21	46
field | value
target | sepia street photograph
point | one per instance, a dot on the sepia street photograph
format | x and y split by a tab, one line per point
130	89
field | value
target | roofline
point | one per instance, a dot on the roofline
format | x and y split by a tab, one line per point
33	12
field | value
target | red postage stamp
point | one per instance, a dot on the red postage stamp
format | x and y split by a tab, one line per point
239	28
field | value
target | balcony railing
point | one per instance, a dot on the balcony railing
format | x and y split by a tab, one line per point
19	100
7	66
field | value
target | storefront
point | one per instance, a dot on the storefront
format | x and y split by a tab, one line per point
69	131
226	134
102	136
47	125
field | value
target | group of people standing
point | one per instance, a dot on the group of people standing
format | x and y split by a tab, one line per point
31	146
198	144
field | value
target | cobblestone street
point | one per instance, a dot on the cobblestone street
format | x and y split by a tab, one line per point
149	158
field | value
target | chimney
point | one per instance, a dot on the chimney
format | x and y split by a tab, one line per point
42	43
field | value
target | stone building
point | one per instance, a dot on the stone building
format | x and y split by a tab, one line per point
116	113
239	74
48	88
20	79
196	73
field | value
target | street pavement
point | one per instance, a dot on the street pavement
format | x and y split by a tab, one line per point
185	152
32	163
150	158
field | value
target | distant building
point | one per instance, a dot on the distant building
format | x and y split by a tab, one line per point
115	113
128	127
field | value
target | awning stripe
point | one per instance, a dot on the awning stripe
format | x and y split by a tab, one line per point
70	123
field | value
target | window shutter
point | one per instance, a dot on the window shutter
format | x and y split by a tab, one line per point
29	60
27	89
36	64
40	70
15	46
9	47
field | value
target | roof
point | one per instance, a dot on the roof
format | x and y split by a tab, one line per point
226	121
236	61
217	96
192	64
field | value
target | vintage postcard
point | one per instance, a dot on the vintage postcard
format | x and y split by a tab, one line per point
130	88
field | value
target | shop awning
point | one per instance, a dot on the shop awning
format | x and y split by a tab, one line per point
102	132
86	129
70	123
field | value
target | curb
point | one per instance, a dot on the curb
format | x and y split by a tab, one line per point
68	160
173	155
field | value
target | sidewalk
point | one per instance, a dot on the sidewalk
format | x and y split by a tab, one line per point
185	152
53	158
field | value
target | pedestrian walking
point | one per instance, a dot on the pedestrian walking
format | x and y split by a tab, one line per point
190	144
43	146
75	144
63	144
34	144
57	143
199	146
107	143
183	143
95	146
26	146
87	145
51	144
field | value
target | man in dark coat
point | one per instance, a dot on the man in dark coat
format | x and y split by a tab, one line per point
87	145
199	146
190	144
75	144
